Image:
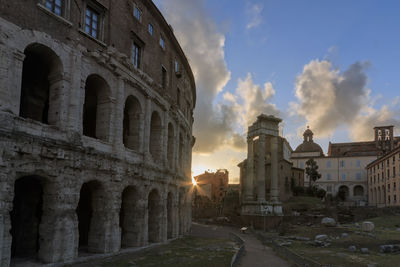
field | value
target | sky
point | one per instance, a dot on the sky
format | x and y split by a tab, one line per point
330	65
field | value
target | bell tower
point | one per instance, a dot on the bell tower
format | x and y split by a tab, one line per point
384	138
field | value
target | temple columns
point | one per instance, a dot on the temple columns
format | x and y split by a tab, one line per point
261	169
250	170
274	170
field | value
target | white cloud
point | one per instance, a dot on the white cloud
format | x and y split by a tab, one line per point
254	13
203	44
328	99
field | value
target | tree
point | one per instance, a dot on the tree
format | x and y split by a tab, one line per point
312	171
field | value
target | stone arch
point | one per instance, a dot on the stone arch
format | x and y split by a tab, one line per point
26	216
130	217
42	72
170	145
344	192
97	108
155	144
154	209
170	215
91	213
358	191
132	123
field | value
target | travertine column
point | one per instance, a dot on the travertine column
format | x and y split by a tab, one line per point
147	123
261	169
274	169
250	170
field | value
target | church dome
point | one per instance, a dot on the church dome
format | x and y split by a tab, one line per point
308	144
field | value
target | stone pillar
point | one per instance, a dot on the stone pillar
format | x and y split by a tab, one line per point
58	100
248	195
274	169
165	140
10	79
76	92
147	123
119	117
261	169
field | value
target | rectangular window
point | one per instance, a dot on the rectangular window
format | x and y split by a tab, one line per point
394	159
55	6
150	29
343	176
176	66
388	174
388	187
394	198
328	176
328	164
136	55
394	186
92	22
137	13
329	188
162	43
394	172
358	163
358	176
389	199
301	165
163	77
342	163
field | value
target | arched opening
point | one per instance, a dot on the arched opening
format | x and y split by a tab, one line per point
170	215
97	108
129	218
170	149
156	137
132	123
343	193
154	216
90	212
26	217
358	191
39	78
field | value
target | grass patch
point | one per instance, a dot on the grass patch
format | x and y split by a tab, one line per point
187	251
303	203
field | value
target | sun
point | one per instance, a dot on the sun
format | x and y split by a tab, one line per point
194	182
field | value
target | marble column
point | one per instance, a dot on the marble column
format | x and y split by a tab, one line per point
249	170
261	169
274	169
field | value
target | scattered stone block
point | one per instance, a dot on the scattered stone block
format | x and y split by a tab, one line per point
352	248
345	234
321	237
367	226
364	250
327	221
357	225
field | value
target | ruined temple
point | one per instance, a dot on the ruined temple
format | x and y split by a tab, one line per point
96	115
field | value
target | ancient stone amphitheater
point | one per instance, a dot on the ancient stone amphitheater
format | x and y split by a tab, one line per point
96	114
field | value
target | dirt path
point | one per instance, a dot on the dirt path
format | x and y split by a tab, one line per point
256	254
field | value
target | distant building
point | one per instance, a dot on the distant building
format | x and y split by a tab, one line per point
213	184
384	180
343	169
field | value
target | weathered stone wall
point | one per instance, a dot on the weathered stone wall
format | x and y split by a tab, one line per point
69	170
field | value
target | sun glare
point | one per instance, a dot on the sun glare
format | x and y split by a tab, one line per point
194	181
